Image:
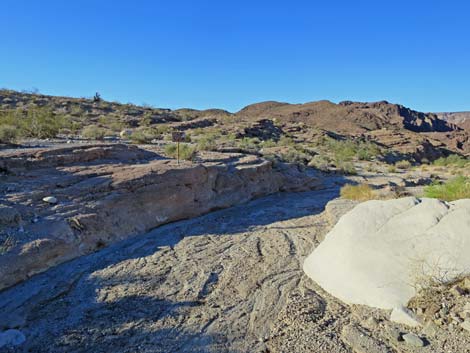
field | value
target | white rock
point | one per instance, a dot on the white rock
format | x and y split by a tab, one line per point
11	338
50	199
380	252
413	340
126	133
404	316
465	325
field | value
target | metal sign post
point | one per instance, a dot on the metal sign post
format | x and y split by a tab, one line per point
178	136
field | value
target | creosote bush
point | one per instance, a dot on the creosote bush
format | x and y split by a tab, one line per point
452	160
8	133
187	152
93	132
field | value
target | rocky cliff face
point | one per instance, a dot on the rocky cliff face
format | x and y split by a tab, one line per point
350	117
101	194
461	119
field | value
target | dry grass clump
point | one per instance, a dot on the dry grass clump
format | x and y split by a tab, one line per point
360	192
403	164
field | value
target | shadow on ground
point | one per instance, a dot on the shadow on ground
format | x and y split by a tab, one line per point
62	312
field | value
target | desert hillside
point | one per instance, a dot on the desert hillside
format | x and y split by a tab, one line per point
404	131
130	228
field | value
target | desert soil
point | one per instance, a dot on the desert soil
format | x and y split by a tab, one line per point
229	281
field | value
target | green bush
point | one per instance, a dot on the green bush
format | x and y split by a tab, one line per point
320	162
452	160
143	135
294	156
250	144
35	122
43	123
187	152
8	133
93	132
207	142
347	150
367	151
455	189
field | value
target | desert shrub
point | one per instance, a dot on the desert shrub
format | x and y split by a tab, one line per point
391	169
360	192
8	133
268	143
293	155
320	162
93	132
187	152
208	142
455	189
452	160
403	164
250	144
43	123
367	151
346	168
286	141
347	150
112	122
146	120
143	135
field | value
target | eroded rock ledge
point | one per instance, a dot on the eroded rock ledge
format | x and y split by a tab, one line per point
106	193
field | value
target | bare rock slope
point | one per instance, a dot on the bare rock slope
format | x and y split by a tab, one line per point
61	203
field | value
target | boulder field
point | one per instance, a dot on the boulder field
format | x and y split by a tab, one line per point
105	193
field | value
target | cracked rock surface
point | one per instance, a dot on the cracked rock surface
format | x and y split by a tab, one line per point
107	193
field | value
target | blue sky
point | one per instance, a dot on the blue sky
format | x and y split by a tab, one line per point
228	54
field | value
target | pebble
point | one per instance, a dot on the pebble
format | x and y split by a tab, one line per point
457	291
466	325
404	316
394	333
50	199
413	340
430	329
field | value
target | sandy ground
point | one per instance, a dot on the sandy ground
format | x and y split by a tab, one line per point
229	281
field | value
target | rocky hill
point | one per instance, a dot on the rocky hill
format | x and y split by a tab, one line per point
461	119
405	132
351	117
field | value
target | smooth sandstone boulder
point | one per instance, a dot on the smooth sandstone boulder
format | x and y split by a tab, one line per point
381	252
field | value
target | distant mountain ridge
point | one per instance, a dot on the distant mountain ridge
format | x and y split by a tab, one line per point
349	117
386	123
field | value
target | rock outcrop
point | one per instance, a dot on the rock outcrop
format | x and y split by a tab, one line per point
381	252
107	193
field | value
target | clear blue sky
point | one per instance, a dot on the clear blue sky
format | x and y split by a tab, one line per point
228	54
